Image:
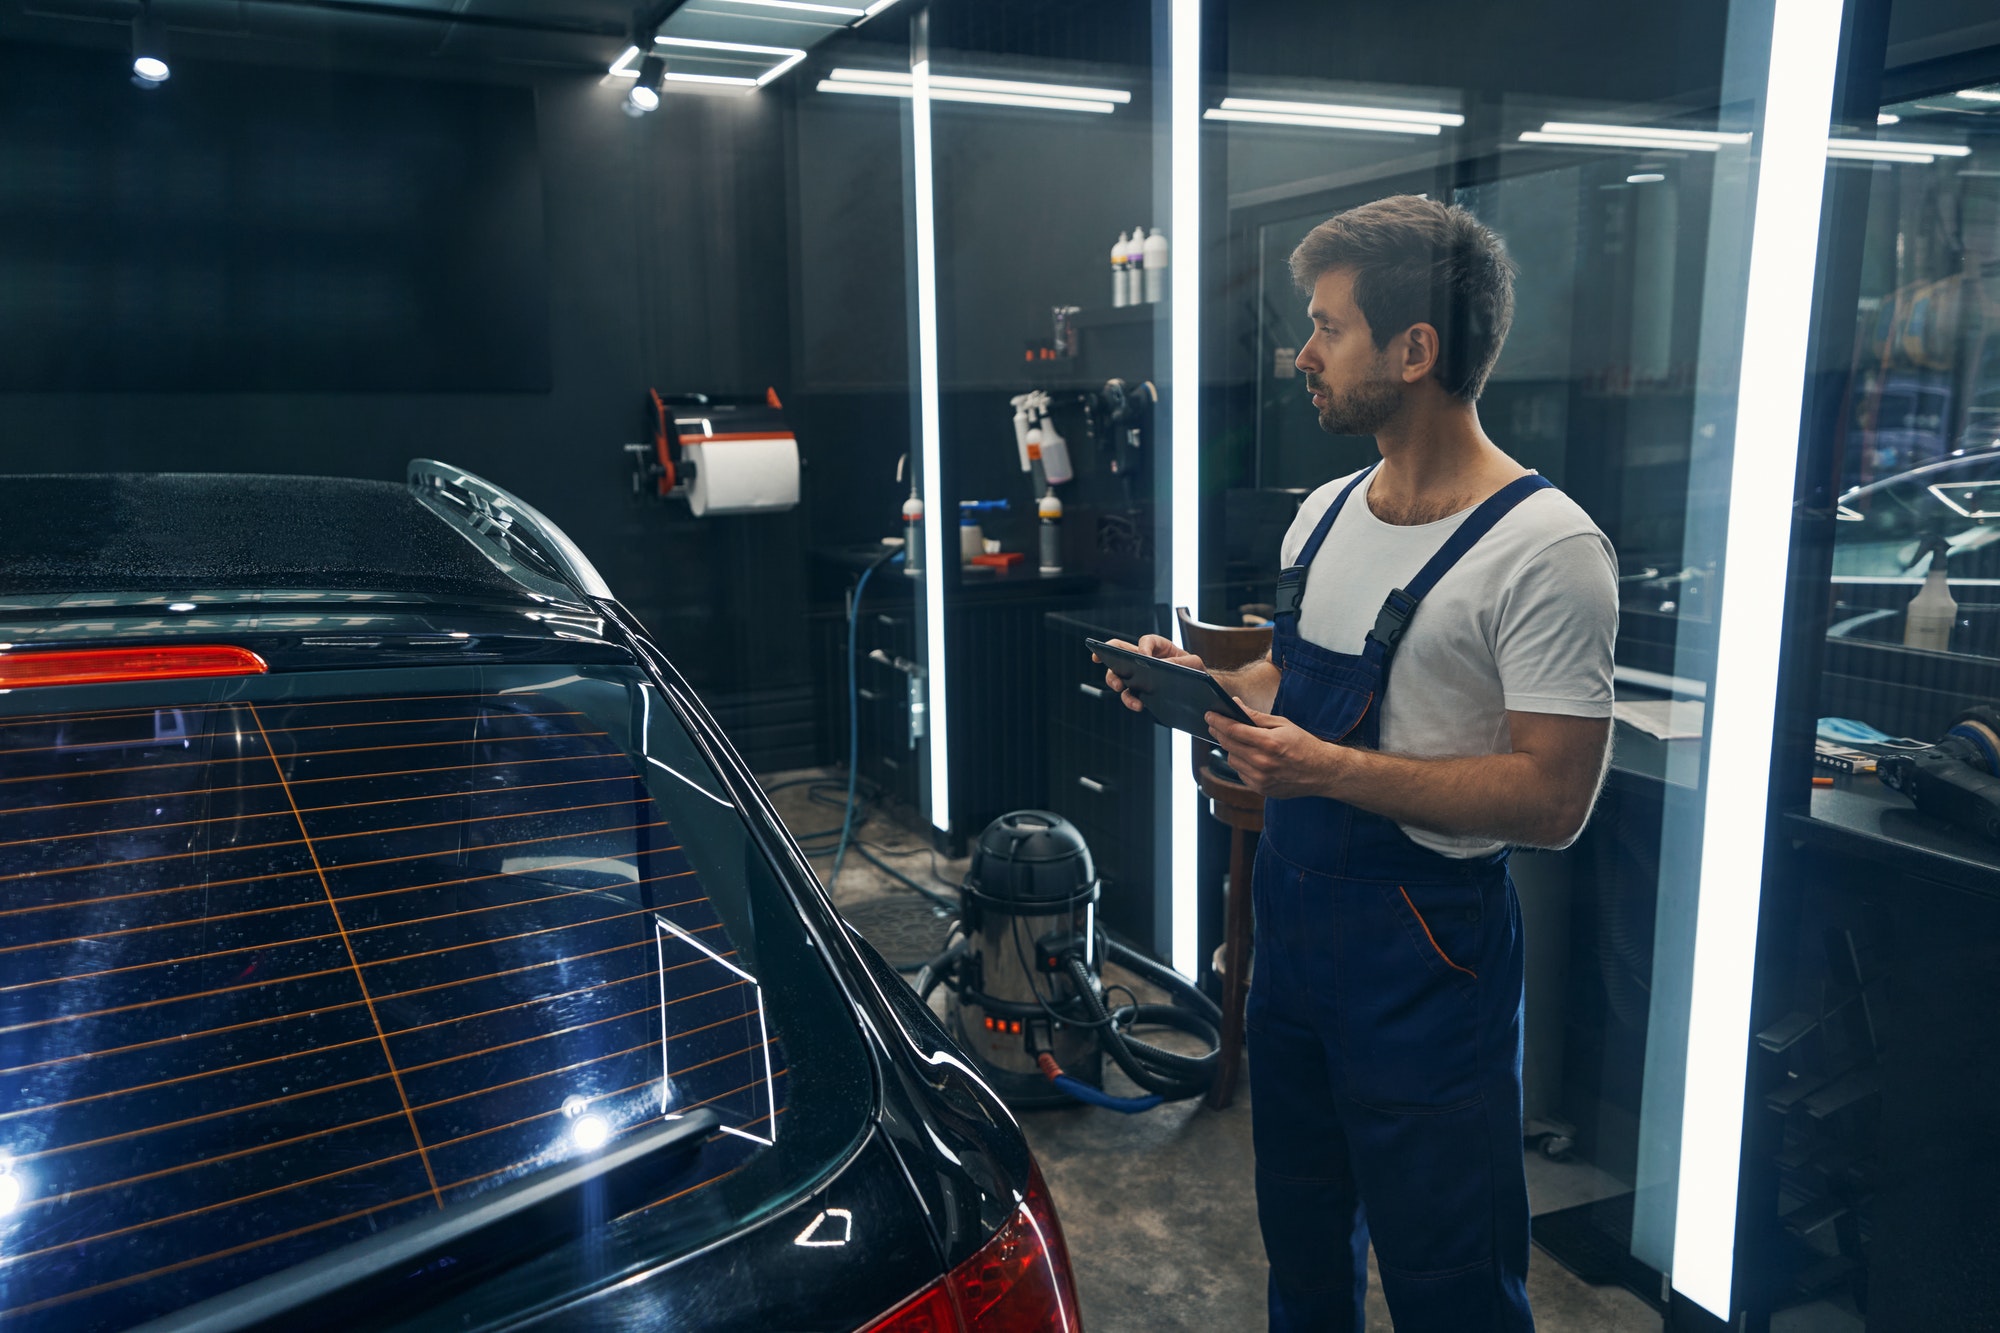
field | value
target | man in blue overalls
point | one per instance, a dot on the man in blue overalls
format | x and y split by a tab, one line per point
1385	1017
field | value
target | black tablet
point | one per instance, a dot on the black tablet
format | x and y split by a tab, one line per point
1175	696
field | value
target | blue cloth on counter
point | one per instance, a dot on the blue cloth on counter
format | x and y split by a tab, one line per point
1846	731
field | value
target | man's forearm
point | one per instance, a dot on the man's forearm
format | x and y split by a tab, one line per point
1505	797
1255	683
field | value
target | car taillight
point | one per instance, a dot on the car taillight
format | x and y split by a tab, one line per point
1018	1282
103	666
929	1311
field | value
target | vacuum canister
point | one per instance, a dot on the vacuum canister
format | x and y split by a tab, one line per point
1030	894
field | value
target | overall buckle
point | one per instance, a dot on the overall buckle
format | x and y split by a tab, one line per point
1291	591
1393	620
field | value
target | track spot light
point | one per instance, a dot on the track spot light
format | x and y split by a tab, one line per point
149	50
645	94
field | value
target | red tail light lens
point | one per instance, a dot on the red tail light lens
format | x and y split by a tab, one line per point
103	666
1019	1282
929	1311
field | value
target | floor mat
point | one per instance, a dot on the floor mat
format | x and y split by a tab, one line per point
905	929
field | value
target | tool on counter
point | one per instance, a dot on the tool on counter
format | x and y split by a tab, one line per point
1958	779
1842	759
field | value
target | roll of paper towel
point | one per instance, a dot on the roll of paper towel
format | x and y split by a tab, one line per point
744	476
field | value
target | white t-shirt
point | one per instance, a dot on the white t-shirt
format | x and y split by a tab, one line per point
1524	622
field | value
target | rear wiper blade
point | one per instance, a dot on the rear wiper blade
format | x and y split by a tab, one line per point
543	1206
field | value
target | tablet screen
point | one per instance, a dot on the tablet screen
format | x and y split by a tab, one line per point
1175	696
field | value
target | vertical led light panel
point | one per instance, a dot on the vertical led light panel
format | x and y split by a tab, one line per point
1183	475
1784	244
935	525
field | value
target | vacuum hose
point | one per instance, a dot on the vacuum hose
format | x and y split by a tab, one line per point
936	969
1173	1076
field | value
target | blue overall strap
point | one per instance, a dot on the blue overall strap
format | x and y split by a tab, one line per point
1401	604
1292	580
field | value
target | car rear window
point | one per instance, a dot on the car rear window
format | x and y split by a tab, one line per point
286	960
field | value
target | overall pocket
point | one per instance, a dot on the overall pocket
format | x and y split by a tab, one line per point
1443	924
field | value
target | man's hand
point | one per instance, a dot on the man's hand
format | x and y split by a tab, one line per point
1152	645
1276	758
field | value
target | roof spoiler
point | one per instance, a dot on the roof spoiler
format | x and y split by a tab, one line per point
507	529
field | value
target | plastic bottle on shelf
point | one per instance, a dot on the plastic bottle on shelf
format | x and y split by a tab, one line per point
1056	466
1933	611
1049	510
1135	266
1118	269
1156	268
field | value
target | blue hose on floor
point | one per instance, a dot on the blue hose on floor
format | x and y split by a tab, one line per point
1083	1092
854	711
1093	1096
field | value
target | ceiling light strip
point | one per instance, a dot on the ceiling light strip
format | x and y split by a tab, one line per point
779	69
898	79
1320	122
1898	146
961	95
724	80
1874	155
1616	141
1398	114
700	44
1650	133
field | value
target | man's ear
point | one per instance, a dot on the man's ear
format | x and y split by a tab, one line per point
1418	353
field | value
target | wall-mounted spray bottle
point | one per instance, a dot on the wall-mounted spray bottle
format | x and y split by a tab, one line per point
1933	611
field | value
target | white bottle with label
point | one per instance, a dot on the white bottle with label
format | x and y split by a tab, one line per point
1118	269
1156	268
1135	268
1056	466
1933	611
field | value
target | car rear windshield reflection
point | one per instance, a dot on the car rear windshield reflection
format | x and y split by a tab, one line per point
275	973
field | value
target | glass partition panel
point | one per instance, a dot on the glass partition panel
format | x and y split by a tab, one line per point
1875	1031
1658	196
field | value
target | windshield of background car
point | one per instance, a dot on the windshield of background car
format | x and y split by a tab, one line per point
285	960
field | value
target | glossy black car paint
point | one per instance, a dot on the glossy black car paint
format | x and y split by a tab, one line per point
941	1165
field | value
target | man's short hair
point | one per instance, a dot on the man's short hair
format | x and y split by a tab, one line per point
1417	261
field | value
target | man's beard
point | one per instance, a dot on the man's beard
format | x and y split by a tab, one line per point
1362	410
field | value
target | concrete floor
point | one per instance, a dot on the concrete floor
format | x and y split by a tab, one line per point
1159	1209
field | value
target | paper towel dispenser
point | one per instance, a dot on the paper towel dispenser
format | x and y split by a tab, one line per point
723	455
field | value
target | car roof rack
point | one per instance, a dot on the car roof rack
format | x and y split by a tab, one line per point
507	529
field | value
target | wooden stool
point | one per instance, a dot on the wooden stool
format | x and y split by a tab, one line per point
1225	648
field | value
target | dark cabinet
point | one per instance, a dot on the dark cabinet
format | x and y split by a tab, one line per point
1101	768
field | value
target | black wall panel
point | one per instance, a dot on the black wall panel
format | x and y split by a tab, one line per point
251	228
664	263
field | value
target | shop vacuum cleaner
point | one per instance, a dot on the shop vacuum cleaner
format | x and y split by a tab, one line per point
1023	991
